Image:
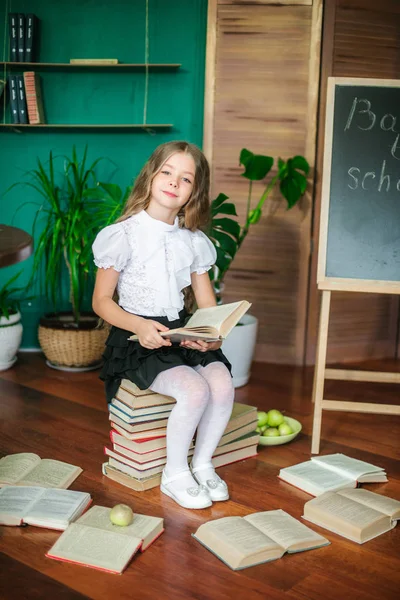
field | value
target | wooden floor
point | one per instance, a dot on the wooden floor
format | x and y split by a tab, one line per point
63	416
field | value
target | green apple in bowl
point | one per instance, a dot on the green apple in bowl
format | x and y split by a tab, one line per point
262	418
271	432
274	418
285	429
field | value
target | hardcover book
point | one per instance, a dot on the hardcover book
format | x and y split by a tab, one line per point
330	473
93	541
12	87
34	98
132	388
13	34
21	37
208	324
356	514
31	38
43	507
242	542
142	401
21	100
138	416
28	469
139	427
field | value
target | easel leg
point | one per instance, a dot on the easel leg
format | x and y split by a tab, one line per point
319	373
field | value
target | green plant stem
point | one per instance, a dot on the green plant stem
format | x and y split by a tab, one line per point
259	206
249	199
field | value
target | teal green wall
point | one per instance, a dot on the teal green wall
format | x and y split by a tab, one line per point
103	29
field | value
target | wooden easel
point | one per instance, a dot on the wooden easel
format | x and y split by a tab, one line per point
330	284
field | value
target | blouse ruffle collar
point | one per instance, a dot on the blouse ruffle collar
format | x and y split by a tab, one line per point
167	253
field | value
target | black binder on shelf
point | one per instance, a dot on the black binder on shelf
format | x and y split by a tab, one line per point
13	35
12	87
31	38
22	107
21	37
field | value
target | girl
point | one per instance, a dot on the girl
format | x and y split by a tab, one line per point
151	255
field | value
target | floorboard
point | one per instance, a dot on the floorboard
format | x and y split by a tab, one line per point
63	416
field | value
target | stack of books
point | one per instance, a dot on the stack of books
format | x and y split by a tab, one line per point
26	101
139	424
23	33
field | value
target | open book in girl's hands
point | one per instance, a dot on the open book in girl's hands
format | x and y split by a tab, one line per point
208	324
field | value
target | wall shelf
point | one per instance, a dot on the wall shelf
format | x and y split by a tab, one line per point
18	66
86	126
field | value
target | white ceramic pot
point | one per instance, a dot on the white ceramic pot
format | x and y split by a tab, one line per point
10	340
239	348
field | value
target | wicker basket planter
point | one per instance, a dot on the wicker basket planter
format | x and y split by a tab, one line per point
66	345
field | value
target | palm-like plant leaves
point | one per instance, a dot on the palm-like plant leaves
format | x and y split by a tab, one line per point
227	234
69	221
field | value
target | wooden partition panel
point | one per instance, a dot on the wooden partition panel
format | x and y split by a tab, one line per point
262	98
360	39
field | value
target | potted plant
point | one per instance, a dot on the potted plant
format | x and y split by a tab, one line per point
69	222
10	324
228	236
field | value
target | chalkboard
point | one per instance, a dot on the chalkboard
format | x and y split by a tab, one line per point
360	209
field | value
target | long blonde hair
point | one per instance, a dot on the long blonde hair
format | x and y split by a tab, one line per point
196	212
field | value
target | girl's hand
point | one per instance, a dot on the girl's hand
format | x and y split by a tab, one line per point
147	332
200	345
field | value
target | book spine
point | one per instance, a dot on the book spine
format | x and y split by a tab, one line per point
13	34
12	86
34	98
21	37
22	109
30	38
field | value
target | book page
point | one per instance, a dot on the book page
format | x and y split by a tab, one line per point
213	316
50	473
347	466
312	473
94	547
284	529
99	517
17	500
239	534
383	504
56	505
14	466
334	505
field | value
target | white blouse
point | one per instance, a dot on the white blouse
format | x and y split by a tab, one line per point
155	261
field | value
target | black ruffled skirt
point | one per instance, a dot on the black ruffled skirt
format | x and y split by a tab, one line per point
124	359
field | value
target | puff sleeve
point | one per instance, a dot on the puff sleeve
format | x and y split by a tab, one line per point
205	254
111	248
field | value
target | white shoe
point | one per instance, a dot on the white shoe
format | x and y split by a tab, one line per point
216	487
192	497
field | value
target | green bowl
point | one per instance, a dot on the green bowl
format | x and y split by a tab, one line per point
282	439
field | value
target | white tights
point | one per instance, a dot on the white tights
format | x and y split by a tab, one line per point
204	399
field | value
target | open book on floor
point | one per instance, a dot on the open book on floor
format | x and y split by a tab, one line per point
93	541
330	473
359	515
242	542
29	469
43	507
209	324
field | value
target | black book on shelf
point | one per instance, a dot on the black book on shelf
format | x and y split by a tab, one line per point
21	95
13	35
31	38
21	37
12	87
